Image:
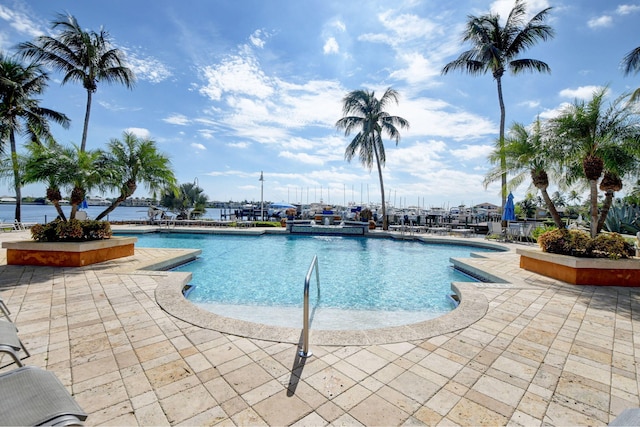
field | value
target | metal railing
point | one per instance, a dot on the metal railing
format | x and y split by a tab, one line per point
305	352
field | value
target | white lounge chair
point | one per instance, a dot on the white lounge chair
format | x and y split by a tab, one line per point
31	396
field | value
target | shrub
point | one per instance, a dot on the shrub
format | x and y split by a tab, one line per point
71	231
610	245
580	243
556	241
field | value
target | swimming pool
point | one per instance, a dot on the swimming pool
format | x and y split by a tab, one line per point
365	283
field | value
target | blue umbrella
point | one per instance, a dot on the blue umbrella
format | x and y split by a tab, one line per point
509	213
84	204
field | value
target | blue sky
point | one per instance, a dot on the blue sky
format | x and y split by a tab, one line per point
231	88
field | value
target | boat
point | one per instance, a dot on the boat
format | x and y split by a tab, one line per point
97	201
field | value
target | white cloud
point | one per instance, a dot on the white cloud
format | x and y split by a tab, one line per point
339	25
600	22
504	7
305	158
257	38
553	112
402	29
626	9
146	68
418	68
236	74
331	46
139	132
198	146
177	119
530	104
241	145
470	152
582	92
20	22
436	118
111	107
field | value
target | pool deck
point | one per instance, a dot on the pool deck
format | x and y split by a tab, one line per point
525	351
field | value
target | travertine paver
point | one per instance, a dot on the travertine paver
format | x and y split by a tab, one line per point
544	353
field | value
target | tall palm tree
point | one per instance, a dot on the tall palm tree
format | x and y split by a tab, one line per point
631	64
597	139
495	48
364	113
523	152
82	56
134	160
21	113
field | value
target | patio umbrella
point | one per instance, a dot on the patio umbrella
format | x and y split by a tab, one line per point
509	213
84	204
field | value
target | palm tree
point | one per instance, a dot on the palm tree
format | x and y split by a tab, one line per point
631	64
20	112
528	206
188	202
364	113
558	199
64	168
597	140
574	197
496	48
82	56
131	161
523	152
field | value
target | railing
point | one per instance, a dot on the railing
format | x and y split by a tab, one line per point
305	352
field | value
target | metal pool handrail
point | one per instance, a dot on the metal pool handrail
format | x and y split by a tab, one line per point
305	352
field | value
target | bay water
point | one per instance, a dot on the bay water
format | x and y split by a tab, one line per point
46	213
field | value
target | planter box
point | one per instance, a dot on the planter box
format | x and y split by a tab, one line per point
581	271
68	254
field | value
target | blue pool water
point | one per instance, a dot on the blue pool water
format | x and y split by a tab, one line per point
364	282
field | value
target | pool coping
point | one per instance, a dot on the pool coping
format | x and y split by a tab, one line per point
472	307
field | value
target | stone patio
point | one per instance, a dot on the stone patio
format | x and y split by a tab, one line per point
542	353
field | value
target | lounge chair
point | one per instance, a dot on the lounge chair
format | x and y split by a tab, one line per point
5	310
10	343
31	396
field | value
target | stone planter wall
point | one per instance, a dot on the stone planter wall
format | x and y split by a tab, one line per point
581	271
68	254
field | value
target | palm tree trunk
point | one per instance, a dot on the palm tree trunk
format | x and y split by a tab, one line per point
111	207
552	208
85	129
385	222
503	159
608	200
16	175
594	207
56	204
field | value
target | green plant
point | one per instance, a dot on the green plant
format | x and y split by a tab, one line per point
610	245
540	230
555	241
580	243
267	224
71	231
623	218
